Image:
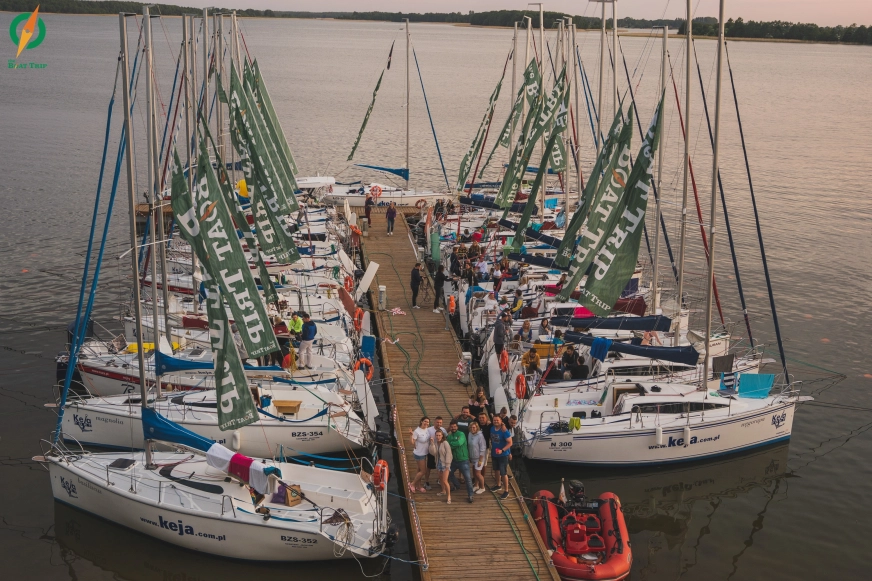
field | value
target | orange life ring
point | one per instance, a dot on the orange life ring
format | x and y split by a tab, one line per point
376	191
451	304
349	283
504	361
420	204
380	475
520	386
364	361
358	319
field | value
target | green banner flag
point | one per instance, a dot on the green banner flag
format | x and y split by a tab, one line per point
270	295
366	117
270	225
475	147
204	221
567	245
542	118
605	203
273	124
282	180
528	92
615	262
236	408
558	128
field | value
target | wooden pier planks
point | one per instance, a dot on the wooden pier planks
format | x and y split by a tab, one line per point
458	540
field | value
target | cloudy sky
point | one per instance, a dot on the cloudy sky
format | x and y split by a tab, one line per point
824	12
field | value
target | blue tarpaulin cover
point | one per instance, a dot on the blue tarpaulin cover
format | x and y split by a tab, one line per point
686	355
157	427
168	364
755	385
599	348
652	323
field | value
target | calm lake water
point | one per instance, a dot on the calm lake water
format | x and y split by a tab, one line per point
796	511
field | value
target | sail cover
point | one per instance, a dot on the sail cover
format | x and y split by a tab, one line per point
157	427
686	355
652	323
402	172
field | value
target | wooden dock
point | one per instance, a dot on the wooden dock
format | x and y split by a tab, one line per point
461	540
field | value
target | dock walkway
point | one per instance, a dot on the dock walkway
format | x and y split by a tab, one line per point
460	540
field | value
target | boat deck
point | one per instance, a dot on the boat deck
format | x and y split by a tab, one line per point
460	540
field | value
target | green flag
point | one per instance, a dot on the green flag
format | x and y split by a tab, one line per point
615	262
605	203
567	245
273	125
236	407
553	139
282	180
528	92
204	221
475	147
371	105
270	295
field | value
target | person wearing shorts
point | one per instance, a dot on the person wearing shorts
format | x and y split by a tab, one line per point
421	441
501	447
477	456
431	459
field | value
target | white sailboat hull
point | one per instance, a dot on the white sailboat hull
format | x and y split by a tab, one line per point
632	446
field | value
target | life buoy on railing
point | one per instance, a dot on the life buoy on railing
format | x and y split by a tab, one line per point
368	363
376	191
420	204
380	474
504	361
451	304
349	283
355	230
521	386
358	319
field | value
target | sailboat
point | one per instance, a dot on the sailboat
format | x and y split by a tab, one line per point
201	494
385	194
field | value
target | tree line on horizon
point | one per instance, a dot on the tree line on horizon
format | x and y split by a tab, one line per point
702	26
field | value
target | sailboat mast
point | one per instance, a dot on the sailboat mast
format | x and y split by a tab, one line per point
577	124
234	31
614	57
541	71
529	26
602	73
205	100
655	278
514	84
187	60
682	232
408	95
714	207
131	194
219	73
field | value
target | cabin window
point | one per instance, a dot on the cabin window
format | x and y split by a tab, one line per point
678	407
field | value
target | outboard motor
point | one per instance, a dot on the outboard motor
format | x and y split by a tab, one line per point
575	498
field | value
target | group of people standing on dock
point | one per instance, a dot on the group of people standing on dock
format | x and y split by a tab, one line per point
465	446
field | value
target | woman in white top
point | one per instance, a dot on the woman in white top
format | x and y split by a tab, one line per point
421	441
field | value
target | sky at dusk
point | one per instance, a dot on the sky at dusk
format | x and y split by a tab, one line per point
824	12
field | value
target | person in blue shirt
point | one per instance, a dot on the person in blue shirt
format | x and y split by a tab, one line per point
307	339
501	447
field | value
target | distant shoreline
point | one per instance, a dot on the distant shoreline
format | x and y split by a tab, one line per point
625	33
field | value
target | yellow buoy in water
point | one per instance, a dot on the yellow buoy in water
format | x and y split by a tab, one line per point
243	188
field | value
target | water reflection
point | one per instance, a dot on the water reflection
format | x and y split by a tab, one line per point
670	511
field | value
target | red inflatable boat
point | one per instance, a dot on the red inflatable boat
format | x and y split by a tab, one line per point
588	537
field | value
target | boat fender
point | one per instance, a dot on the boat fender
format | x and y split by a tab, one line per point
686	436
451	305
658	435
236	440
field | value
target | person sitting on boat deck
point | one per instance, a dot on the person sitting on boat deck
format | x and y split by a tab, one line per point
240	346
464	419
482	267
477	235
557	339
649	337
504	265
517	304
530	360
474	251
515	345
526	331
561	283
439	288
439	209
459	459
477	402
524	284
501	447
468	274
573	365
498	279
307	339
391	215
544	328
501	333
368	204
465	236
461	252
455	265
